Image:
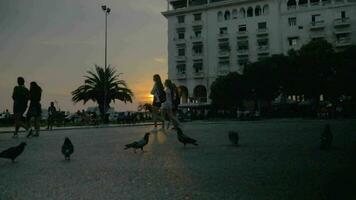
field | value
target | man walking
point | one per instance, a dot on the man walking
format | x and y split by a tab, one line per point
20	96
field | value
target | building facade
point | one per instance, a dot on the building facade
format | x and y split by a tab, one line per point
210	38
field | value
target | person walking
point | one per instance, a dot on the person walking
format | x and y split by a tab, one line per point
175	102
51	116
20	97
34	111
158	98
167	106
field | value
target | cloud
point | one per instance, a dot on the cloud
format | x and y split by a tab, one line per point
160	60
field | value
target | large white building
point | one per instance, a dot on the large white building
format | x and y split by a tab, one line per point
208	38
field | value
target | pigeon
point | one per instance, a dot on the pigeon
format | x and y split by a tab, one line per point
326	138
138	144
67	148
234	137
13	152
185	139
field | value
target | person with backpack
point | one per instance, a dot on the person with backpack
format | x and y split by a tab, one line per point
159	97
168	105
35	110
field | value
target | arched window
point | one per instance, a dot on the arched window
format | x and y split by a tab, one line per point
234	14
291	4
242	13
250	12
265	10
258	11
200	94
183	91
220	16
227	15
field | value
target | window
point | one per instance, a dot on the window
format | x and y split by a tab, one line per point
242	28
250	12
223	30
197	17
227	15
242	60
224	46
316	19
343	14
220	16
262	25
303	3
234	14
258	11
181	50
291	4
224	62
198	66
181	33
180	68
262	44
242	45
265	10
242	13
197	48
197	33
292	21
293	41
181	19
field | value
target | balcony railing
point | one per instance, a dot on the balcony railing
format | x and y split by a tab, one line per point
197	55
263	49
262	31
242	34
223	70
225	52
317	24
180	75
180	57
195	38
178	40
199	74
223	35
341	42
342	22
242	51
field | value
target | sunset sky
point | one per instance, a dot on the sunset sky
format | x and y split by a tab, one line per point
55	42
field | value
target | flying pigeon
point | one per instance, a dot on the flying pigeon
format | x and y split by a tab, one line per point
326	138
234	137
13	152
138	144
67	148
185	139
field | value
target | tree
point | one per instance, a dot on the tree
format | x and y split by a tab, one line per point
146	107
103	86
227	92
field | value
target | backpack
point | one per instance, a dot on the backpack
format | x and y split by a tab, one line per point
161	95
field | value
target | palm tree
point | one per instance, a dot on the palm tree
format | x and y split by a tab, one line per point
103	86
146	107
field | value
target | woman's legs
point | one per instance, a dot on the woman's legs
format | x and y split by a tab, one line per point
172	117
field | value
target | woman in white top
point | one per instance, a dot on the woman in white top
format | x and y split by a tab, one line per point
168	104
156	104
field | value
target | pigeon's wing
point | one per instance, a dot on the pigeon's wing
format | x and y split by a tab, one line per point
8	153
131	145
67	148
188	139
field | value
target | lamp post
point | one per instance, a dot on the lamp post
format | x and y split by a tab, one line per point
106	11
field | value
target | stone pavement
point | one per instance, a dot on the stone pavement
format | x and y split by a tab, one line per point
276	159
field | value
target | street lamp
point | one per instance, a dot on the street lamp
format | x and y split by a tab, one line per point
106	11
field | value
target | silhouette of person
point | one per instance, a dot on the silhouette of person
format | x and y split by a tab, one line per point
167	106
156	91
51	116
20	96
34	111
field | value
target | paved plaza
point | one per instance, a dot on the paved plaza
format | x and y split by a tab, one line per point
276	159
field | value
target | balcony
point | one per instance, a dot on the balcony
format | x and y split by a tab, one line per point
242	34
242	52
179	41
180	58
262	31
194	38
315	25
263	49
317	35
180	24
223	70
342	22
223	35
197	55
344	30
198	75
224	52
197	23
181	76
343	42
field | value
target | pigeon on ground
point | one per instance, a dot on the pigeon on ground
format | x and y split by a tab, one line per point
139	144
185	139
13	152
326	138
234	137
67	148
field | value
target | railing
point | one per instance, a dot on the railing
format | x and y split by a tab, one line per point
181	76
342	21
317	24
242	33
199	74
262	31
223	35
180	57
196	38
343	41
